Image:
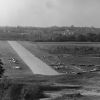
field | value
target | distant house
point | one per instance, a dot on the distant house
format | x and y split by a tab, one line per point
23	33
68	32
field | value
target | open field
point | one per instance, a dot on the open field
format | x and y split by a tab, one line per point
7	54
36	65
63	87
53	53
89	81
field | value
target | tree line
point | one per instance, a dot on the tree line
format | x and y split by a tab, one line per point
51	34
89	37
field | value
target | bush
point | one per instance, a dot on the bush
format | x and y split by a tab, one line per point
31	92
1	68
15	91
12	90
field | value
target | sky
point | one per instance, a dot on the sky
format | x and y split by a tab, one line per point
45	13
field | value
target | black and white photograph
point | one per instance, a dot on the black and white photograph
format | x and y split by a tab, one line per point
49	49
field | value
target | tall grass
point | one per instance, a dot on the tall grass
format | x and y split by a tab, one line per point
19	91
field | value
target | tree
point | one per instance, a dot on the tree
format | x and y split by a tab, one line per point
71	38
91	37
81	38
98	38
1	68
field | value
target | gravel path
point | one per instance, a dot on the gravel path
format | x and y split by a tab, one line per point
36	65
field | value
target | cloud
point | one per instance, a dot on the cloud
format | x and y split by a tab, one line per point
49	12
50	5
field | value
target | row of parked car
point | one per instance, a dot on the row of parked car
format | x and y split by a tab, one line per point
15	61
60	67
75	68
92	67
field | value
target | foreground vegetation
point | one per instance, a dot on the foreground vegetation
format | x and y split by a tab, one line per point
19	91
33	88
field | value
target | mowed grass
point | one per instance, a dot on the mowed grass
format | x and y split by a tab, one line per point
41	49
34	48
6	53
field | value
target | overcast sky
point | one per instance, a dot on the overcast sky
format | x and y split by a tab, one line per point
50	12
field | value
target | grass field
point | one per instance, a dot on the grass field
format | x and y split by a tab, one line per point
6	54
43	51
87	81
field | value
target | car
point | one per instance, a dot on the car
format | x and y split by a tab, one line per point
93	70
82	65
91	65
13	60
16	67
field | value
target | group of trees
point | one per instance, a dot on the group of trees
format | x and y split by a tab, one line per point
1	68
89	37
53	34
41	37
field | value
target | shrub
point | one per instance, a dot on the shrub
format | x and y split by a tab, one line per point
31	92
15	91
1	69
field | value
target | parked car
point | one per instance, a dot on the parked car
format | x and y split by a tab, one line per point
13	60
91	65
82	65
16	67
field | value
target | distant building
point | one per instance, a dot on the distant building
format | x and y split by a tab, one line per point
68	32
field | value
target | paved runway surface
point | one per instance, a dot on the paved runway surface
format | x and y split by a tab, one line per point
35	64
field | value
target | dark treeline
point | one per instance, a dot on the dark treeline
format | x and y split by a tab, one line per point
89	37
51	34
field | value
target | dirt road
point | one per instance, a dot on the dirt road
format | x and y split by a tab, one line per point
36	65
